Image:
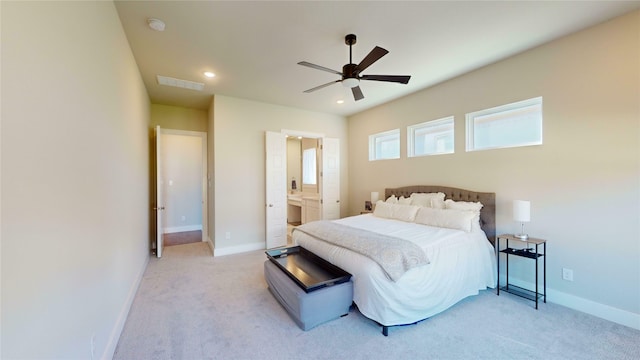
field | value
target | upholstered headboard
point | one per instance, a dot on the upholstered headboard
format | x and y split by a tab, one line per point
488	200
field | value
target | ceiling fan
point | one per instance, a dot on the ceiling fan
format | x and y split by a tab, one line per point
351	72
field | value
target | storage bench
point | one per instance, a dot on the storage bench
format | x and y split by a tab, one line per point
312	290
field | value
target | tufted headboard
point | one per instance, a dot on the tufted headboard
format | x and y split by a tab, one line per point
488	200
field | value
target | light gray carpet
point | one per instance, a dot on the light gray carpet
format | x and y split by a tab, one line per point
193	306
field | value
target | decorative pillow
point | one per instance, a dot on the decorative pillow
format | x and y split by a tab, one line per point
405	212
467	206
404	201
463	205
434	200
383	209
446	218
395	211
392	199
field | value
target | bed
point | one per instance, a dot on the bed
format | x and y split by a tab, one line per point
459	263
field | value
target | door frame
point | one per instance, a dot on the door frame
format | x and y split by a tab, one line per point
205	172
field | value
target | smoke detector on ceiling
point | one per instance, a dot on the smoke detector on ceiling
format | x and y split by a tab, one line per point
155	24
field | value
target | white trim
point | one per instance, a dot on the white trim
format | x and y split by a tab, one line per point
176	229
602	311
229	250
110	349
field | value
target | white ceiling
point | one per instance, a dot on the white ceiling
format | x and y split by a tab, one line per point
254	47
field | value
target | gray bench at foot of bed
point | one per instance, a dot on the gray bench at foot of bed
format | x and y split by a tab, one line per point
308	309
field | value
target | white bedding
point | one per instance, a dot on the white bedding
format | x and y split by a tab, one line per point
461	264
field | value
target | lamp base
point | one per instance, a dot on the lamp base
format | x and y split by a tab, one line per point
521	236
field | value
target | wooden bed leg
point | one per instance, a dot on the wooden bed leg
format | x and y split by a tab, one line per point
385	330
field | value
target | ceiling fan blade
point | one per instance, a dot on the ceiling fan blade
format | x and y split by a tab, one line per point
372	57
403	79
318	67
357	93
321	86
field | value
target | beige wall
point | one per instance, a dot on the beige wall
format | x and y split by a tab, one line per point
178	118
239	166
75	207
583	183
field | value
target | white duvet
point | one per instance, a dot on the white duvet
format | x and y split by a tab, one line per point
461	264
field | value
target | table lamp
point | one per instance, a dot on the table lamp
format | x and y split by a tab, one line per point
522	214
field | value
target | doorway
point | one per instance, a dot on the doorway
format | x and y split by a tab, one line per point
183	164
322	202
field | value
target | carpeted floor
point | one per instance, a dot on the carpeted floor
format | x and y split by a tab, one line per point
193	306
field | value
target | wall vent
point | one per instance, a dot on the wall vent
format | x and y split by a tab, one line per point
185	84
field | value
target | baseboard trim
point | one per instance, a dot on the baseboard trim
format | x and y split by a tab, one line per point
590	307
238	249
110	349
175	229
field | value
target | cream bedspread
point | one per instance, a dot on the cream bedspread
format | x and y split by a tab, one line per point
395	256
461	264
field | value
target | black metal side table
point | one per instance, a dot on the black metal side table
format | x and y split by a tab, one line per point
529	253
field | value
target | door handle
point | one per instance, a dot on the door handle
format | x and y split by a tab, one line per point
160	208
270	205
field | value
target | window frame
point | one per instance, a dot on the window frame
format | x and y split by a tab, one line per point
411	135
373	156
511	107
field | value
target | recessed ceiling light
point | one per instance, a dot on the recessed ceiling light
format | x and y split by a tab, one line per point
340	101
155	24
209	74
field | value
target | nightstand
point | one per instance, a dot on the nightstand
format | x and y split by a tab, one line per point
528	253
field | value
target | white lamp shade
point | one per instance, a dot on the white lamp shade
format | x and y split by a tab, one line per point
521	210
374	197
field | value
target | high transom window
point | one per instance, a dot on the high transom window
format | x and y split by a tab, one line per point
384	145
511	125
430	138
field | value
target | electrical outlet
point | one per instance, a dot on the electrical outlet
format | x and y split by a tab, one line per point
184	218
227	235
567	274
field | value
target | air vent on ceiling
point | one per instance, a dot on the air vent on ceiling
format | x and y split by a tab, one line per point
185	84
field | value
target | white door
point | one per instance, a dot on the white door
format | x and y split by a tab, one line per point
330	178
159	207
276	189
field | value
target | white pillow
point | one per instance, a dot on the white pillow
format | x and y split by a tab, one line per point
404	201
466	206
405	212
463	205
383	209
434	200
446	218
392	199
395	211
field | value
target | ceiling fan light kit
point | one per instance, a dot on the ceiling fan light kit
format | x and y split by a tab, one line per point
351	72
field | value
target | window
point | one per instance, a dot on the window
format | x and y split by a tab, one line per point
309	166
430	138
511	125
384	145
